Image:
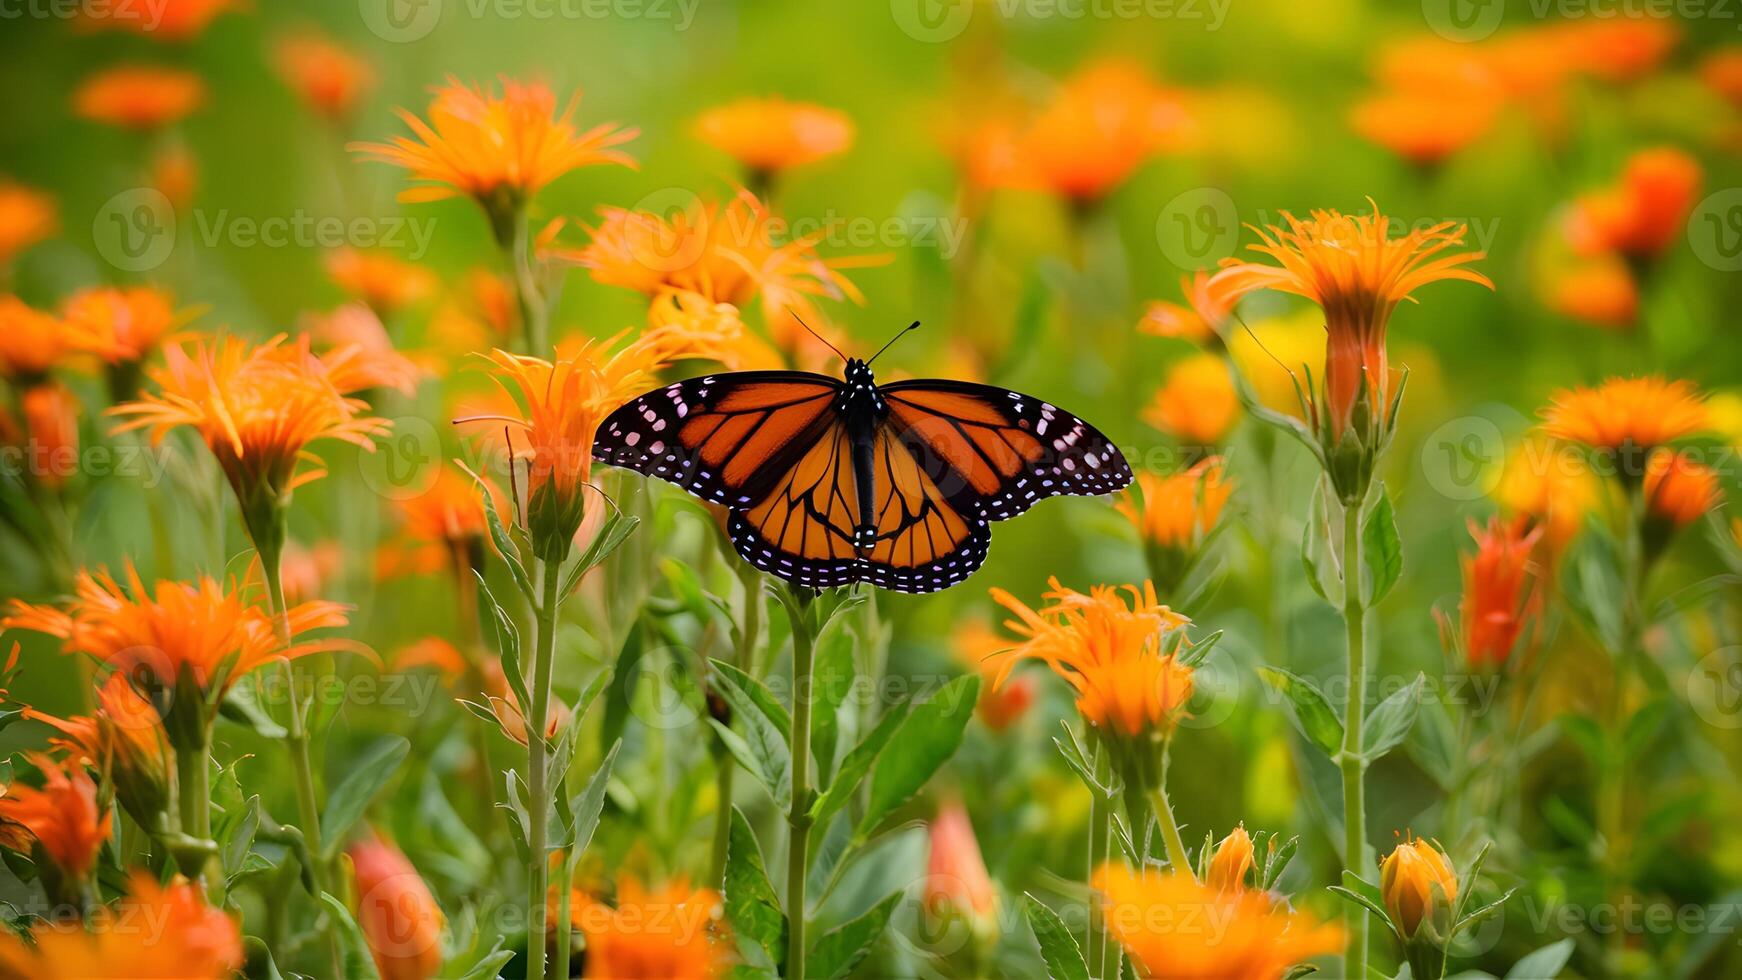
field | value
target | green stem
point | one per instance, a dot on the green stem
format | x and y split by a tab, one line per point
1353	765
534	317
564	928
1612	780
1100	849
538	793
798	819
725	769
1170	835
194	801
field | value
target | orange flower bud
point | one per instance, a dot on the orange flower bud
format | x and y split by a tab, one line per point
398	915
1232	860
1418	884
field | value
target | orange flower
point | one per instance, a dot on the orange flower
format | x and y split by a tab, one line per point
770	135
164	20
326	75
1501	591
1417	883
175	634
1551	485
1231	862
1197	403
1642	215
175	174
359	354
434	652
1101	125
700	329
956	882
1629	416
51	418
398	915
383	280
1425	127
1357	269
31	342
125	741
121	325
186	940
1108	650
1200	321
1177	929
1000	705
1599	291
663	933
27	216
1722	73
445	527
1679	490
563	403
497	149
63	819
1618	48
1178	511
139	97
305	571
258	409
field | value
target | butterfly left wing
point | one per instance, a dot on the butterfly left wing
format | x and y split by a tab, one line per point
996	452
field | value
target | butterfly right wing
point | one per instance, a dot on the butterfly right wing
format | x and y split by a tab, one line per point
727	438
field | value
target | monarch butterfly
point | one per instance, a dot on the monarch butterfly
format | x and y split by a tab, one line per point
831	482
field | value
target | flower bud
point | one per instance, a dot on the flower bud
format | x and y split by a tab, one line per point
396	912
1232	860
1419	888
957	888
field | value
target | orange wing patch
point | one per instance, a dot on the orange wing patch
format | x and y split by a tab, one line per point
915	524
981	446
750	434
810	513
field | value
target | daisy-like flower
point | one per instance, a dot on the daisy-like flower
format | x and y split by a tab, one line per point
444	528
1163	920
396	912
258	408
1642	215
122	325
1231	862
563	402
124	740
1623	419
1679	490
1502	595
499	150
186	643
1108	644
139	96
701	329
1174	516
64	824
359	355
1357	269
27	216
1199	321
1101	125
1197	403
187	939
31	342
1425	127
767	136
328	77
673	931
381	279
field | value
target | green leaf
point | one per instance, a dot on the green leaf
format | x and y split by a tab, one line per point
258	959
238	837
1543	964
239	706
831	680
504	544
358	963
611	536
858	762
1311	712
623	678
1076	756
748	695
927	738
1381	548
1064	958
1372	907
774	777
1432	743
584	813
1483	912
490	967
836	953
507	645
1315	550
1591	581
1391	720
367	777
752	907
1643	727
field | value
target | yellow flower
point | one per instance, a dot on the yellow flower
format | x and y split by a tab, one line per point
497	149
1417	883
1197	403
769	135
1177	929
1109	650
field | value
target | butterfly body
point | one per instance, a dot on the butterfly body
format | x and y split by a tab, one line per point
830	482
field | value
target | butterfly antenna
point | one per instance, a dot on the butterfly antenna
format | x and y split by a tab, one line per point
794	314
912	326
